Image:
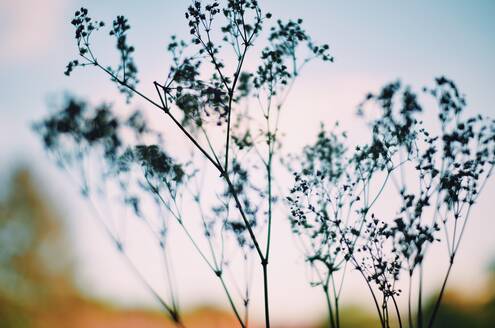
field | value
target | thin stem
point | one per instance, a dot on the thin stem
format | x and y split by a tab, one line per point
331	318
337	314
336	301
270	196
420	298
208	235
265	289
231	301
171	310
341	285
210	145
176	122
231	98
244	218
440	295
456	244
385	313
409	310
173	296
375	300
397	311
173	313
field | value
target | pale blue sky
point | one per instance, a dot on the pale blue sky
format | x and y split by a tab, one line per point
373	42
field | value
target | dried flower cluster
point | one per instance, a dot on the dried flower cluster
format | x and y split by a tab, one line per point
437	173
207	100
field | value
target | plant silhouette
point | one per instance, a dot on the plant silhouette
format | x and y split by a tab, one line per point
437	175
119	159
203	94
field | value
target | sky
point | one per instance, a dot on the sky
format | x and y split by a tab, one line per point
374	42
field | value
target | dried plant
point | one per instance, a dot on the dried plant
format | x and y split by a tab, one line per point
121	163
205	95
438	174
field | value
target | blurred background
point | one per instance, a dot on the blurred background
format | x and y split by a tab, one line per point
58	268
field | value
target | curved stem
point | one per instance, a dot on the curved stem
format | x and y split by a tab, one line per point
440	296
397	311
174	315
375	300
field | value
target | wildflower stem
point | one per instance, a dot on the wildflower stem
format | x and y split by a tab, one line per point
231	302
331	318
409	301
440	296
336	300
265	289
420	298
397	311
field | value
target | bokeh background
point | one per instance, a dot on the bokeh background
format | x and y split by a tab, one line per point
66	258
